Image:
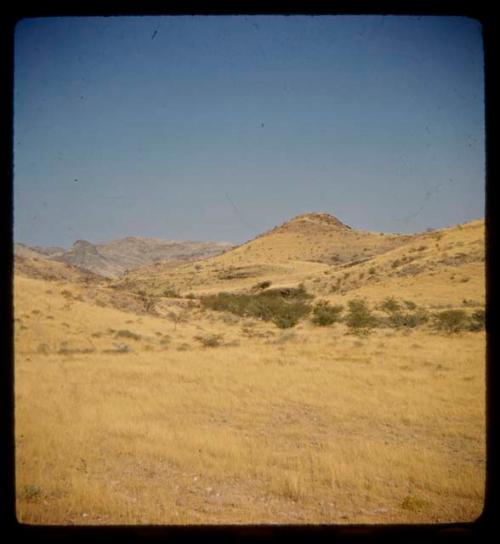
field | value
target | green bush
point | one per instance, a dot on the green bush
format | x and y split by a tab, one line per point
451	321
406	319
399	317
284	307
360	316
285	321
324	314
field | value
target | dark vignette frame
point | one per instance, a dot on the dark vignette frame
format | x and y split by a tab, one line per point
480	529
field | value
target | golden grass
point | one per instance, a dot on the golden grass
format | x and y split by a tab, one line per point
306	426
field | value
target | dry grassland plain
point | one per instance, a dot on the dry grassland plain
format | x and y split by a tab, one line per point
186	415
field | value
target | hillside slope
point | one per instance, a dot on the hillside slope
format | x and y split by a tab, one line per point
34	265
444	266
315	237
307	244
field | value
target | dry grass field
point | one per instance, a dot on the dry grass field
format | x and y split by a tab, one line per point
135	403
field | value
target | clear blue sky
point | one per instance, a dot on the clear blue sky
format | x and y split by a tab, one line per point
219	128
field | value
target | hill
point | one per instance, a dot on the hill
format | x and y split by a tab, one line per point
34	265
333	260
314	237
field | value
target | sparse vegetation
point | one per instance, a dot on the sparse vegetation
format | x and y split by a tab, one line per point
360	318
390	305
399	317
408	319
413	503
31	493
124	333
451	321
209	340
477	320
169	292
324	314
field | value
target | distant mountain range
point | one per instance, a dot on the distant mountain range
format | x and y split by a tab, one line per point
111	259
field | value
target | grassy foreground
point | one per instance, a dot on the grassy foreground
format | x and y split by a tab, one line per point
310	425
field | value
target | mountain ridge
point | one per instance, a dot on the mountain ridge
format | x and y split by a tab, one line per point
113	258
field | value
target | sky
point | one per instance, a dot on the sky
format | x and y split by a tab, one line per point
222	127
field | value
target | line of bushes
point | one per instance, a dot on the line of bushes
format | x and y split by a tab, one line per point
285	308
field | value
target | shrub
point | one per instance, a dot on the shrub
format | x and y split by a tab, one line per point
360	316
413	503
288	314
123	333
285	321
410	305
450	320
477	320
390	304
406	319
324	314
169	292
209	340
31	493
